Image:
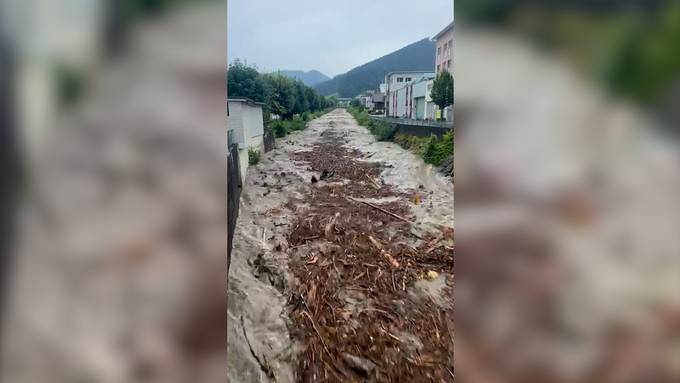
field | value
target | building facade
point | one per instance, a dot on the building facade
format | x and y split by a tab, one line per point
413	101
344	102
365	100
444	57
399	92
444	63
245	127
422	106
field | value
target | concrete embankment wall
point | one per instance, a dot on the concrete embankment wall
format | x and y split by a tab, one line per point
421	131
417	127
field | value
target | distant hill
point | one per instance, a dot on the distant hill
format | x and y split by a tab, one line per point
310	78
419	56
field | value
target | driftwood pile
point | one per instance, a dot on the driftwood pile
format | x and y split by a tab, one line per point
353	308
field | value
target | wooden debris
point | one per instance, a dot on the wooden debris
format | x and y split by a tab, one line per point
323	342
331	224
363	366
373	182
326	304
313	260
381	209
384	253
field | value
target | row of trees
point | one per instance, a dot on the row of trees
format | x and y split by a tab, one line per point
281	95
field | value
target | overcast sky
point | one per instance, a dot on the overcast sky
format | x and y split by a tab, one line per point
332	36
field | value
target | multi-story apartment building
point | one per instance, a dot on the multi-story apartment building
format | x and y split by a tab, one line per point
444	60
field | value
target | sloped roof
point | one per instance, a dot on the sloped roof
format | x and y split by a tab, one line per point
438	35
244	100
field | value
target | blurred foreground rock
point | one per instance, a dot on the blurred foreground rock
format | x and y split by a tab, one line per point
121	263
567	202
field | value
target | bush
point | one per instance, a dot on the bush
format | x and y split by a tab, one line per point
403	141
437	150
282	127
306	116
359	115
429	154
433	150
279	128
362	118
319	113
413	143
253	156
297	123
383	131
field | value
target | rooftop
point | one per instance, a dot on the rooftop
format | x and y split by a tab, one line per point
409	71
443	31
244	100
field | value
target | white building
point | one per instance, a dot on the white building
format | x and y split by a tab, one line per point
422	106
344	101
402	99
365	100
245	127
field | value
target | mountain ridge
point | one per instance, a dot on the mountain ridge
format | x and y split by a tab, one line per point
309	78
417	56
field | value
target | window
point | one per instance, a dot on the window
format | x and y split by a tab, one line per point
439	51
449	65
438	66
408	79
400	79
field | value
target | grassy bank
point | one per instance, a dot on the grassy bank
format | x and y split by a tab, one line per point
281	128
433	150
383	131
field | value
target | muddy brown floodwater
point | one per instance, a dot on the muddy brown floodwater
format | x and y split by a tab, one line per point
346	279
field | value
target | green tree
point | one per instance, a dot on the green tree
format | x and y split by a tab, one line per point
279	95
312	98
301	102
244	81
485	11
442	90
643	55
355	103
